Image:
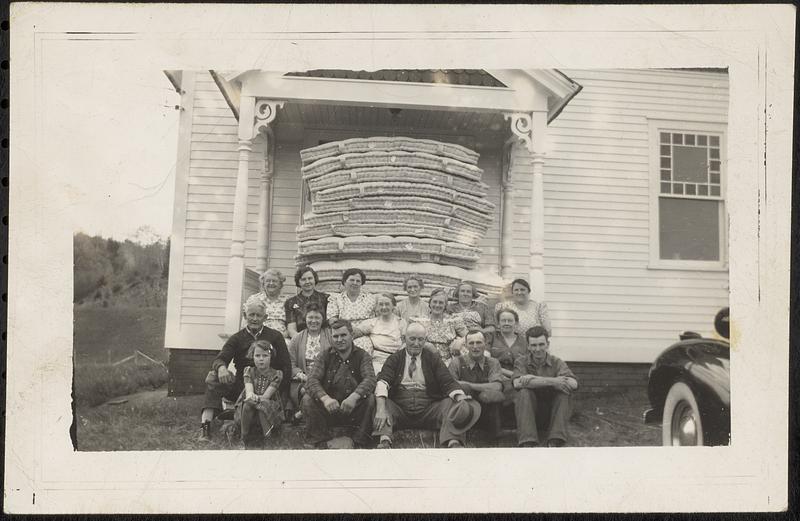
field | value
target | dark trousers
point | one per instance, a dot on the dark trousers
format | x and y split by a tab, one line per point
215	391
296	393
414	408
319	420
489	420
545	409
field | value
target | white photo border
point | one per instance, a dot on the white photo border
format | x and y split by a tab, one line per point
44	475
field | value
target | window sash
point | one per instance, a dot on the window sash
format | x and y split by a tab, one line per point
677	148
701	133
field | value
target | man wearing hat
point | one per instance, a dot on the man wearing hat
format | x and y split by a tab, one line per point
482	378
415	389
544	384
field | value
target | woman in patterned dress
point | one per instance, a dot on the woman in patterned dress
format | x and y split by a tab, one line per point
413	306
306	279
474	314
530	312
506	346
384	331
445	333
353	304
270	295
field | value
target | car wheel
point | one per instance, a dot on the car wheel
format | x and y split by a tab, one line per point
681	424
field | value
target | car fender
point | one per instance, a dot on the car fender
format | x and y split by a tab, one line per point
704	364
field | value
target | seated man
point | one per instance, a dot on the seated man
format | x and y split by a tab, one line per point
220	383
544	384
480	377
339	389
415	389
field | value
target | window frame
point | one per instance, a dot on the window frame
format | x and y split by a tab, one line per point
656	126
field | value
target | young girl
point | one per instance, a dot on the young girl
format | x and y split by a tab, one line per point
260	397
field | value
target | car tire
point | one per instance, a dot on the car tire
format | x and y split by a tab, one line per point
681	424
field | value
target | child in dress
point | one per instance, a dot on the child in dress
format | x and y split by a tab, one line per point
260	400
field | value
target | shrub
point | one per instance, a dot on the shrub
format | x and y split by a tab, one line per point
97	383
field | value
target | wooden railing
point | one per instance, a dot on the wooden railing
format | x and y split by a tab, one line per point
250	283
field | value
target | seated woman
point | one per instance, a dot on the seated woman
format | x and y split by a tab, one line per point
384	331
270	295
304	347
530	312
413	306
506	346
444	332
294	308
353	304
473	313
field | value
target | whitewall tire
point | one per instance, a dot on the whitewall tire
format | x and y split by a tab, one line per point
681	424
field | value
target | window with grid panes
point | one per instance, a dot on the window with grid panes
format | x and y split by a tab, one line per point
690	195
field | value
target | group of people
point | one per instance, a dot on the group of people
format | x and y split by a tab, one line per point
367	362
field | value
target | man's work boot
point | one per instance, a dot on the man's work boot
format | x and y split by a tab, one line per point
205	431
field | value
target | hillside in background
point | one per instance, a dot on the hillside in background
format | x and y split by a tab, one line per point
120	296
130	273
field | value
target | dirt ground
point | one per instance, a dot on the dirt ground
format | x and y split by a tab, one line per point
153	421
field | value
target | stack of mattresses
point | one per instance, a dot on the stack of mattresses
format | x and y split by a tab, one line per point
388	276
416	202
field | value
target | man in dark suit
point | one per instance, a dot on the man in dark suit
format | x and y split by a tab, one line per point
415	389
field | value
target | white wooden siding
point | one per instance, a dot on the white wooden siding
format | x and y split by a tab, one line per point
605	304
205	222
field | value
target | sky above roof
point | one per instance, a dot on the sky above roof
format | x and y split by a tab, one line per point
112	135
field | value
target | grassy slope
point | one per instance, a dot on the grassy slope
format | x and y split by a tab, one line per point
118	330
103	334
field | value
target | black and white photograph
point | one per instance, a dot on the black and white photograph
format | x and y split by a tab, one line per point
293	264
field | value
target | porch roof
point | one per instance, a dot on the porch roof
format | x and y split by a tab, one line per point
476	77
510	90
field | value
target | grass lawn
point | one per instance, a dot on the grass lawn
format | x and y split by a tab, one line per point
103	336
106	335
153	421
150	420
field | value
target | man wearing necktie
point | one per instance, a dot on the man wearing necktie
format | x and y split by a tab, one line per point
415	389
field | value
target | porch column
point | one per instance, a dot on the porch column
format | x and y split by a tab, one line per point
233	299
254	118
265	203
529	130
507	218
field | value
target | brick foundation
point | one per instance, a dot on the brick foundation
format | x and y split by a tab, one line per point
188	369
596	377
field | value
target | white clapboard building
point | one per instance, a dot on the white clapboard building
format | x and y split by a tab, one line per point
607	186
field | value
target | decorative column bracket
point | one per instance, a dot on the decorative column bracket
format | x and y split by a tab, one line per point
521	124
265	113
